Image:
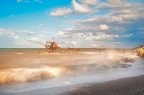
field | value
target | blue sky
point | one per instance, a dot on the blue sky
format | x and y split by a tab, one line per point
77	23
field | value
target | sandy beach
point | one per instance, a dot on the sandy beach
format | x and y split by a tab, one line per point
126	86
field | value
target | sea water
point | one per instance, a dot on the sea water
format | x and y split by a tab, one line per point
88	69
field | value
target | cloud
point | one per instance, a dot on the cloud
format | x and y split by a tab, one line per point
115	2
101	36
89	2
7	38
60	33
116	17
73	42
115	20
61	12
80	8
104	27
15	38
94	45
13	35
119	20
2	31
92	6
8	33
91	37
35	38
117	25
124	16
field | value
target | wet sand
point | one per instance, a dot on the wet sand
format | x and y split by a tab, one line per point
126	86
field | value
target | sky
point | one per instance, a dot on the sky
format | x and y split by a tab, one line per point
74	23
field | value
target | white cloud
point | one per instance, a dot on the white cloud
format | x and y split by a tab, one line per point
35	38
118	21
16	36
2	31
94	45
73	42
104	27
115	23
104	36
80	8
13	35
115	19
115	2
127	35
8	33
125	15
60	33
89	2
89	37
61	12
22	43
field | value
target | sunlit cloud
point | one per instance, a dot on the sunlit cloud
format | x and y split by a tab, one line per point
77	8
104	27
80	8
90	2
61	12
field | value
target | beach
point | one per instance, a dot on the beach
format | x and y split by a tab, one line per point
71	47
34	72
125	86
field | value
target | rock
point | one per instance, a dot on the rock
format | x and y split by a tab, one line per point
140	51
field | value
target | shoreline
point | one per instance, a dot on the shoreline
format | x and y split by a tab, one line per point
81	71
124	86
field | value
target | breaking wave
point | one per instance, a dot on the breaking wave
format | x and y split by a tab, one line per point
89	63
22	75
